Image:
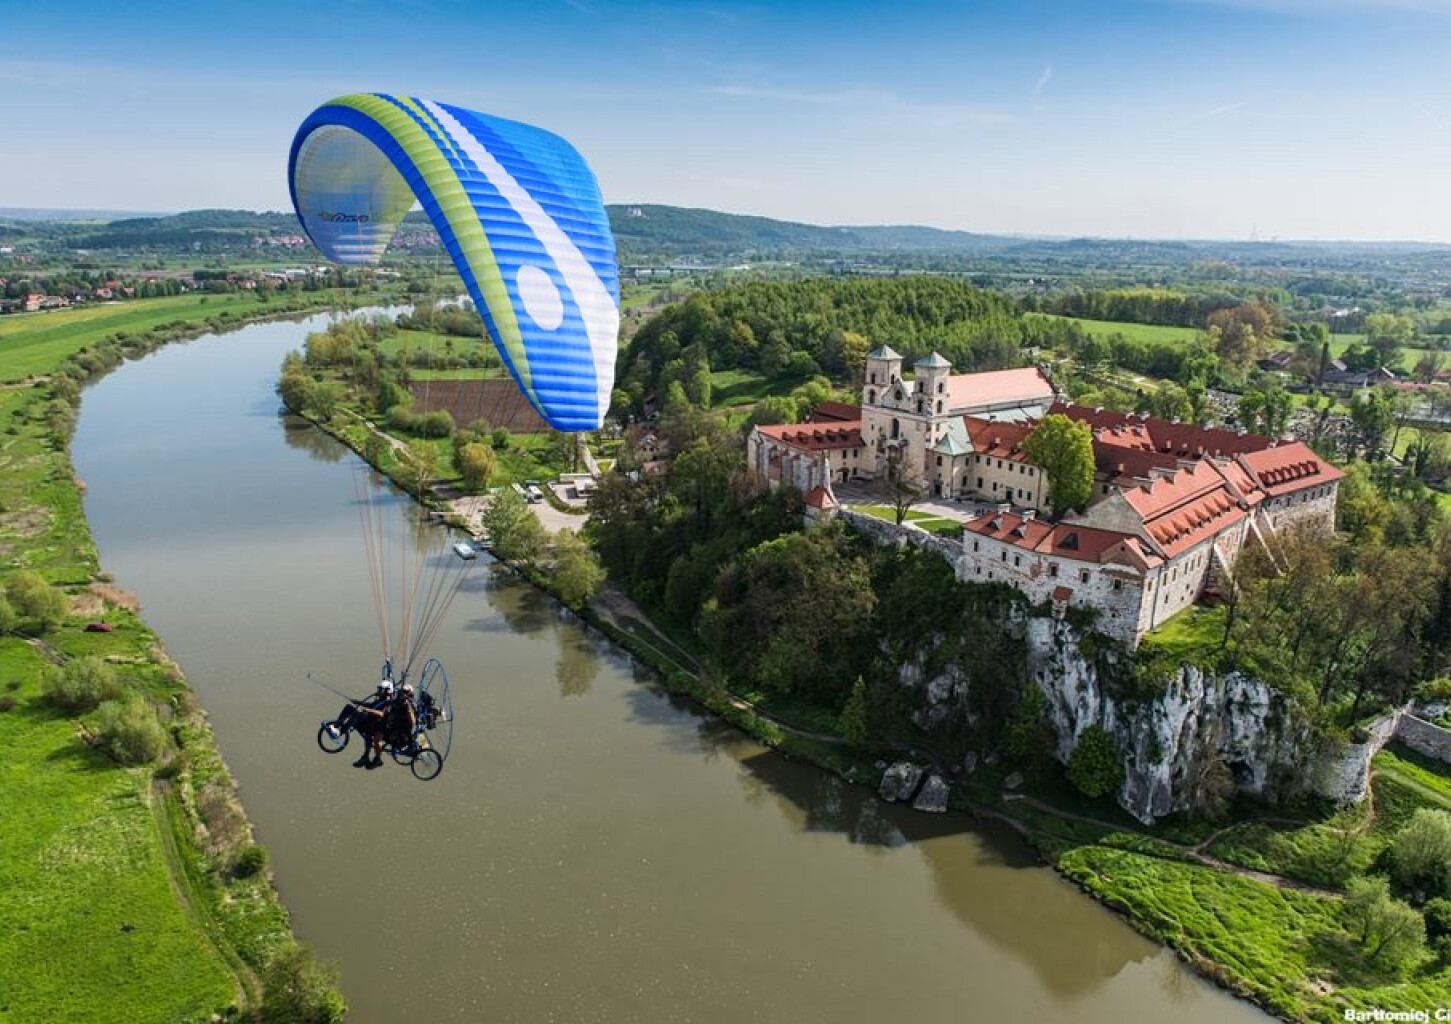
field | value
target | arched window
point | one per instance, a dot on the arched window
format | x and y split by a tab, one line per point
896	428
872	396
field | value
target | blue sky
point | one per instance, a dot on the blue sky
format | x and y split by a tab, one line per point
1168	118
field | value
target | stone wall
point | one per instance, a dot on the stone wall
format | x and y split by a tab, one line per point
886	533
1424	737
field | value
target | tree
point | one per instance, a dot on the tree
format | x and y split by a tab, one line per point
1096	766
1420	855
1265	408
1373	413
477	464
1386	334
577	573
852	722
904	482
513	530
416	467
1063	449
1389	931
38	606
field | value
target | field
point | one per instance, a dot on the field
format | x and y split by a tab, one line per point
111	909
35	343
85	891
730	388
1138	332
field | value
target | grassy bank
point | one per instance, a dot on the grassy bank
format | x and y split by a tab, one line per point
124	891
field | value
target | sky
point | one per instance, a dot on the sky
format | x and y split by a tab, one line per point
1266	119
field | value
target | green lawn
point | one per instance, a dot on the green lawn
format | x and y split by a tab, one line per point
1138	332
35	343
1192	635
742	387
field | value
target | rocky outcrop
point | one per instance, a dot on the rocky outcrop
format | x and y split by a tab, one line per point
1194	731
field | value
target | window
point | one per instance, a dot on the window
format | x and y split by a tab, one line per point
1118	584
939	401
1082	575
1000	463
1017	560
941	387
874	376
1030	470
979	483
871	395
939	461
1053	569
1005	556
975	545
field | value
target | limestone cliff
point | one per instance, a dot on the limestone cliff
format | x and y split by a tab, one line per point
1182	734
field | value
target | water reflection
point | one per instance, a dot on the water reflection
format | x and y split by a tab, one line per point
302	435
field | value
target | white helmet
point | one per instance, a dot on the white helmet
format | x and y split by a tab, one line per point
385	686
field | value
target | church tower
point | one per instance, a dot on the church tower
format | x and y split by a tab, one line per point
883	367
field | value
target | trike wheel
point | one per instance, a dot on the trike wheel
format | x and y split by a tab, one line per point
427	764
331	738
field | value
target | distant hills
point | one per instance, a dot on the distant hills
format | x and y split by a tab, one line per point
652	233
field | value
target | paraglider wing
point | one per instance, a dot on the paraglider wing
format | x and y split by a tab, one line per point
517	209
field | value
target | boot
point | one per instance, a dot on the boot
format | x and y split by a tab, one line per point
377	762
362	762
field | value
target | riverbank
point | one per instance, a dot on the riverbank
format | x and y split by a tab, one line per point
129	892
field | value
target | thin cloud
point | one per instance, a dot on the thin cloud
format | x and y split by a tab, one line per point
1209	115
1043	80
874	101
1428	115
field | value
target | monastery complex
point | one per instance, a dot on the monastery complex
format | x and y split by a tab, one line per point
1173	503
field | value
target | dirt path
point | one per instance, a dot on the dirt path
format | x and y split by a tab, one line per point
193	904
1192	853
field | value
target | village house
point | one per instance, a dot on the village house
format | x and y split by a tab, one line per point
1172	505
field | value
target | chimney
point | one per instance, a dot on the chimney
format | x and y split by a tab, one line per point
1029	515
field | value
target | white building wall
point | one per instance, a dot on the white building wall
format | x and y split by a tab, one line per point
1114	591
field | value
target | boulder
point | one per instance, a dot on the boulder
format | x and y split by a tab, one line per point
933	797
900	781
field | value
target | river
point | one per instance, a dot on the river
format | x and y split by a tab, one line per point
595	848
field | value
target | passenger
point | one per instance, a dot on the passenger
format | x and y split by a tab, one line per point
394	722
371	717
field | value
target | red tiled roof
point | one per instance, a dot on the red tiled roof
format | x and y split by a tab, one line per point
1289	467
1062	594
1000	440
815	437
997	387
819	497
835	412
1067	540
1149	433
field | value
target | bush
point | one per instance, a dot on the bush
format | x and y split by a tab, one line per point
80	685
130	731
1438	917
438	423
1420	855
38	606
251	860
1096	767
299	990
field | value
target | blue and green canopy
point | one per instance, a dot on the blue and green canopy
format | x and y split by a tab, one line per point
517	209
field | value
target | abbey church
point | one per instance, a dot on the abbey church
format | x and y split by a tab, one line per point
1173	503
